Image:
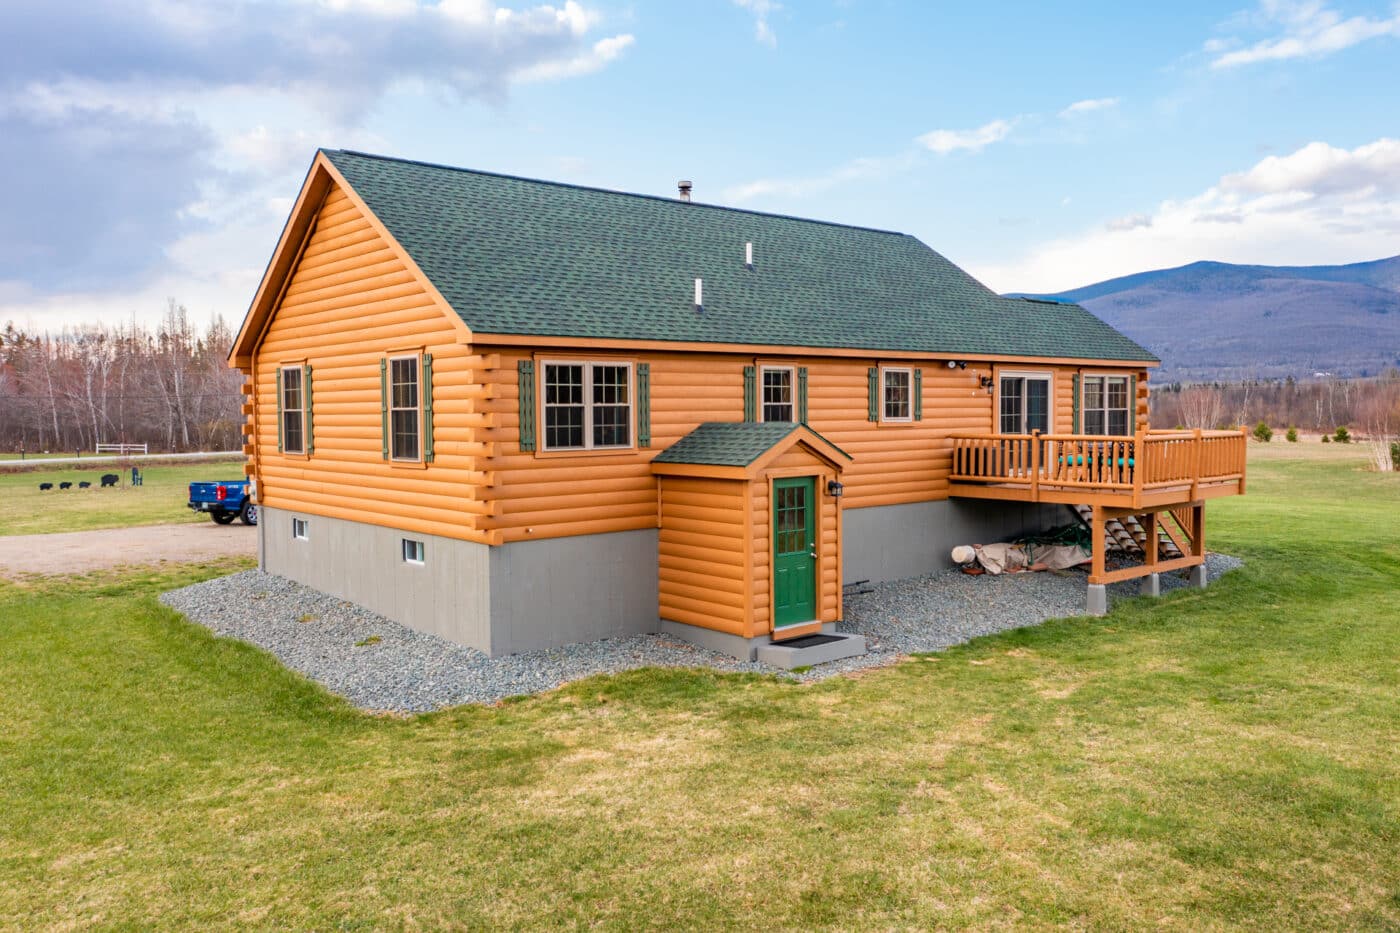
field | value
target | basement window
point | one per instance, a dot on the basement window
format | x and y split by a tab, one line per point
587	406
413	552
777	393
300	529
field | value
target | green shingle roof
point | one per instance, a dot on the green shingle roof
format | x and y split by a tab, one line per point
515	256
730	443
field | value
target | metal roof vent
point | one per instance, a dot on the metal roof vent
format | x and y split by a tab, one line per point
748	256
699	294
684	187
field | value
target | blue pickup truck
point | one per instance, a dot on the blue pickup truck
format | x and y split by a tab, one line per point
225	501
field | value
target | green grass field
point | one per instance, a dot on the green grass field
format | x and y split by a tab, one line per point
1213	759
159	500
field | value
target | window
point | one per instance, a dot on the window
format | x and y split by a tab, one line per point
777	393
1105	405
898	395
412	551
587	406
404	414
1025	404
293	411
299	529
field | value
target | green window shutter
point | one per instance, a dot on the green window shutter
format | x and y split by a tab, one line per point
643	404
918	395
874	376
525	378
279	409
1132	404
384	404
750	393
427	407
1074	381
802	394
310	426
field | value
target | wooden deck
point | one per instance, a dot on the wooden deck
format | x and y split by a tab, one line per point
1150	470
1162	478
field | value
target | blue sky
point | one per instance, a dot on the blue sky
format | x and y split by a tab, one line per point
153	147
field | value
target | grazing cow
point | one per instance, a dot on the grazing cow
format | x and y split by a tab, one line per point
65	485
44	487
84	484
109	479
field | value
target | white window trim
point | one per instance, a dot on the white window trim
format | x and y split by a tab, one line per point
907	370
300	370
1084	394
419	546
792	389
301	529
418	375
541	421
1047	377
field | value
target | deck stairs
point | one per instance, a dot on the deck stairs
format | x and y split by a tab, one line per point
1127	536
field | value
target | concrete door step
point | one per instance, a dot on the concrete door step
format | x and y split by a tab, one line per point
811	649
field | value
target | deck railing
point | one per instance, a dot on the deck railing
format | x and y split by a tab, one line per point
1121	467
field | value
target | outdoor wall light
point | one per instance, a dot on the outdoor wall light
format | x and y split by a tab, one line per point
987	383
835	489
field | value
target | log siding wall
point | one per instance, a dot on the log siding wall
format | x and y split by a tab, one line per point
350	301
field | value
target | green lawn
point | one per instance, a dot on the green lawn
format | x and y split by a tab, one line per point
1209	760
160	499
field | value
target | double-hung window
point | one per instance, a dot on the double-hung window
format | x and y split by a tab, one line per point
1025	404
293	410
405	415
587	406
777	393
898	394
1106	407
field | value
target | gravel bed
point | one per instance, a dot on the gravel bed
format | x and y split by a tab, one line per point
382	666
947	608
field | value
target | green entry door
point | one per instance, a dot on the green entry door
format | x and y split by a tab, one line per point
794	551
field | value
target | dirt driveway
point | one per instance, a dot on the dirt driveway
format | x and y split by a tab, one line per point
81	551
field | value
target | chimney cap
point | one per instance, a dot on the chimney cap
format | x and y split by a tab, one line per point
684	187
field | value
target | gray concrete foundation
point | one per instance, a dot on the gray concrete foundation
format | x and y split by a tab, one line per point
736	646
1096	600
560	591
1198	577
1152	585
895	542
516	597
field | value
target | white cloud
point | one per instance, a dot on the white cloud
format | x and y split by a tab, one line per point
1089	106
208	112
1320	204
1309	29
761	11
944	142
854	170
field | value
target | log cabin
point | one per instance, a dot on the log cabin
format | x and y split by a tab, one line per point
520	414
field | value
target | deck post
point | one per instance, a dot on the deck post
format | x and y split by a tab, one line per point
1096	533
1152	585
1096	600
1198	578
1035	466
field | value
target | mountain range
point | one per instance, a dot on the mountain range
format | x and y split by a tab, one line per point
1216	321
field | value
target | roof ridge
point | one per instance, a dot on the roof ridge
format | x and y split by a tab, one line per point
614	191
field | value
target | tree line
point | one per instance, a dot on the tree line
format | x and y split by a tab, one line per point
1338	409
168	386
